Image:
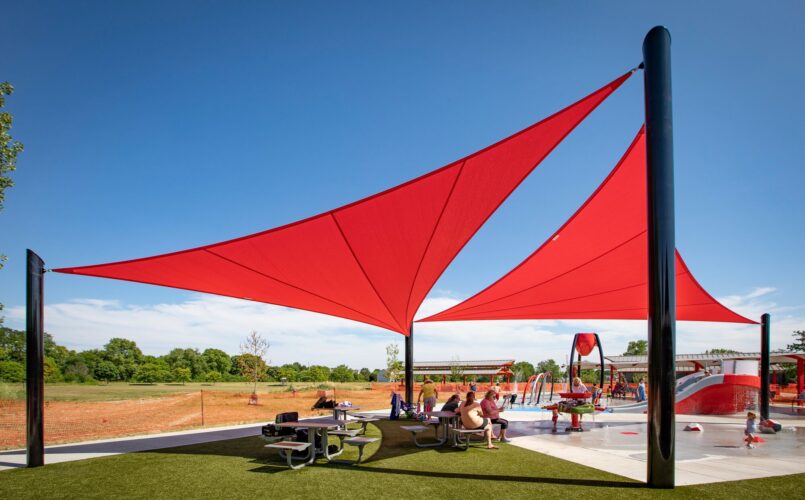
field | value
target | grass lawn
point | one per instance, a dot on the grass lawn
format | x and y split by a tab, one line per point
117	391
242	468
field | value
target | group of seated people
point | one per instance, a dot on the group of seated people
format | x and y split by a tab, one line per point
480	415
621	390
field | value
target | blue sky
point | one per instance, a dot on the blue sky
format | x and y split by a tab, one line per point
157	126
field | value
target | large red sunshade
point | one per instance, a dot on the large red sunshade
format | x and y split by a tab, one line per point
595	266
374	260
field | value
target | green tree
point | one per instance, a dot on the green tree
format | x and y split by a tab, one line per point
13	343
12	371
217	360
288	372
799	342
9	150
550	366
637	348
342	373
319	373
125	355
51	371
364	374
182	375
76	371
393	364
57	352
106	371
91	358
187	358
149	373
522	370
213	377
721	351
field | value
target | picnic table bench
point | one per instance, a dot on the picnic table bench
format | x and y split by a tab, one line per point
287	448
461	437
360	442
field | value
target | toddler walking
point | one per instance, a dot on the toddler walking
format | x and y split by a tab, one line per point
750	430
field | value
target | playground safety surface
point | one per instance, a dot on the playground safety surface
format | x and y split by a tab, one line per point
617	443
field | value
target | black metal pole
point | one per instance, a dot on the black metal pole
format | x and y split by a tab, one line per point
409	366
765	338
570	366
35	357
661	258
601	355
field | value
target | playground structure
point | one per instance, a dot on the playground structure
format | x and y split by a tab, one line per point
714	384
576	403
734	390
534	387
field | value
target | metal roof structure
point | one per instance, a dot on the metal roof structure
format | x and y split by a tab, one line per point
476	367
464	372
622	363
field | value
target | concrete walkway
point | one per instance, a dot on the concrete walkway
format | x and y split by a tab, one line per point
11	459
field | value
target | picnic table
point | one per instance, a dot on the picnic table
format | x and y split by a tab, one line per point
340	412
446	420
314	427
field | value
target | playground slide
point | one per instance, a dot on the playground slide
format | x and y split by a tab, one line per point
536	390
698	394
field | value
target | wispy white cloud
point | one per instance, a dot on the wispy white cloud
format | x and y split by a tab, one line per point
204	321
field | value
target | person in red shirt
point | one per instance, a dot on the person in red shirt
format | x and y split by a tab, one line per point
492	412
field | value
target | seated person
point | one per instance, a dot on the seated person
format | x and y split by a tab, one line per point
452	403
492	412
578	387
472	418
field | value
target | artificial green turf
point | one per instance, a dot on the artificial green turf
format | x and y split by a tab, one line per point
243	468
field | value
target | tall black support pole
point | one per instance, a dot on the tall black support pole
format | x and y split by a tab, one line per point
765	338
661	259
35	357
409	366
601	355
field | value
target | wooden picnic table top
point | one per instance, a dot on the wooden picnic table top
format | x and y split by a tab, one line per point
441	414
313	424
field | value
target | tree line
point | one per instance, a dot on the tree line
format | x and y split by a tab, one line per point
121	360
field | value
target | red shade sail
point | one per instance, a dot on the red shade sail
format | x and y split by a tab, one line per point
595	266
374	260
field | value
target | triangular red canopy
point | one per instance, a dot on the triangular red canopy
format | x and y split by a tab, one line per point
374	260
595	266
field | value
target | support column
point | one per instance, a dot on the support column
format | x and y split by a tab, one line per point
611	378
765	337
409	366
800	379
661	259
35	357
